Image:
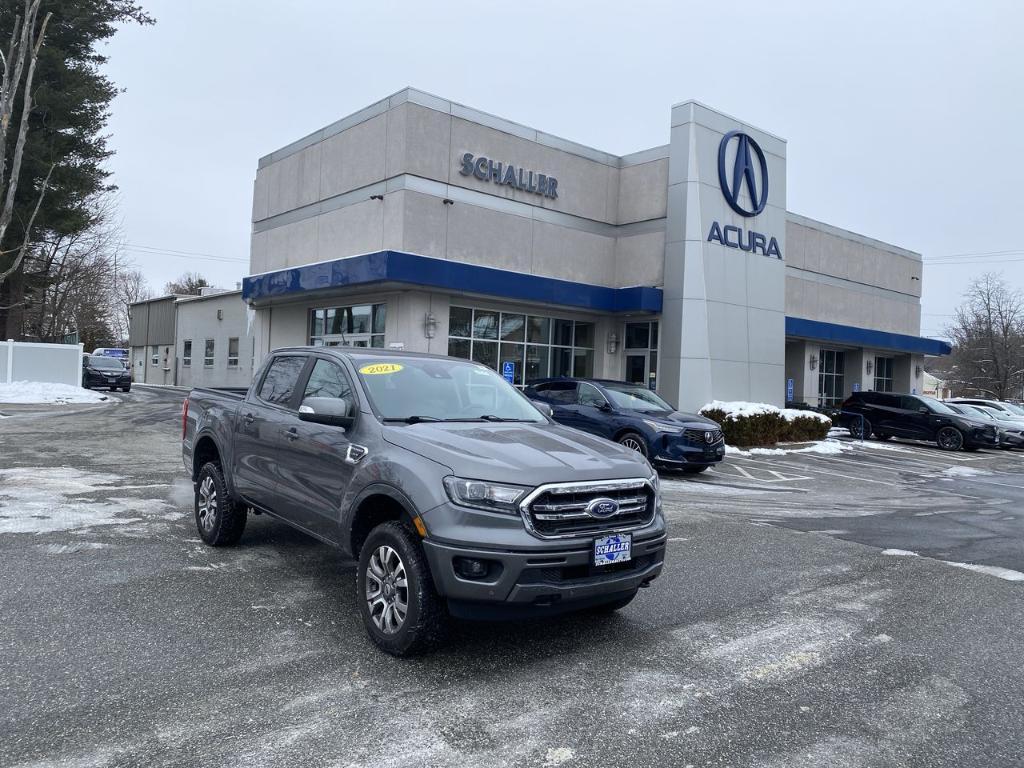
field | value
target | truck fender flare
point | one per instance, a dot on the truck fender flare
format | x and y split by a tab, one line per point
204	434
375	489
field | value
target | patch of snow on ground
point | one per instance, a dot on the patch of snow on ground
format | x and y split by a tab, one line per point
990	570
900	553
47	392
826	447
558	756
43	500
964	472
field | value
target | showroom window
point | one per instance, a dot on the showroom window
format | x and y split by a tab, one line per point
208	354
361	325
233	352
536	347
831	377
186	355
883	374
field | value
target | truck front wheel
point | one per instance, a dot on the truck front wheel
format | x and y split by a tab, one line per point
219	519
402	612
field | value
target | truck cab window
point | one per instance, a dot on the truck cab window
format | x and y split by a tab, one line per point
327	380
282	376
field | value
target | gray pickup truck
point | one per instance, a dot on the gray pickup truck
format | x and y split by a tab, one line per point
455	493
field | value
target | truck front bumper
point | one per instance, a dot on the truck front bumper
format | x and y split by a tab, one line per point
530	583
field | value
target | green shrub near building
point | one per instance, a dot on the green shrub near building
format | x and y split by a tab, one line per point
759	424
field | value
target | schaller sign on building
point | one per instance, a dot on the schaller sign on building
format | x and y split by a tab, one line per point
755	176
510	175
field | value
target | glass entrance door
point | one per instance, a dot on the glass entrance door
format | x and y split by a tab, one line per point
642	354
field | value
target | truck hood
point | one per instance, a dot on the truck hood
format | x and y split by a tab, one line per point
518	453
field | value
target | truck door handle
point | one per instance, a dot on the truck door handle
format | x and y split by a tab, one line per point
291	434
248	418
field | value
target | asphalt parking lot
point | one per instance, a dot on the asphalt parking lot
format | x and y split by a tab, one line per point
778	635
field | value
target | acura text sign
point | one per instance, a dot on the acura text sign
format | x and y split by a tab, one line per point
749	173
486	169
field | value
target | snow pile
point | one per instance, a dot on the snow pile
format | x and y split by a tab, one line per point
823	447
991	570
47	392
900	553
735	409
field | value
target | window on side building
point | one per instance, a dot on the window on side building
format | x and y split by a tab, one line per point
154	352
208	354
186	353
529	347
233	352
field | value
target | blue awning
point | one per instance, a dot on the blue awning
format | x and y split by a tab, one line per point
864	337
409	268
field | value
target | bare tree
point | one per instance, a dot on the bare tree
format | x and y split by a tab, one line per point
988	341
131	287
188	284
23	50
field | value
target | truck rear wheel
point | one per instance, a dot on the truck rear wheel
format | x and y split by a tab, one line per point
401	610
219	519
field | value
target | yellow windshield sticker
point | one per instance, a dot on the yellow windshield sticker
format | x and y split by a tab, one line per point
376	368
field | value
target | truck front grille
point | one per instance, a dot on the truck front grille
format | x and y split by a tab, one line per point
568	509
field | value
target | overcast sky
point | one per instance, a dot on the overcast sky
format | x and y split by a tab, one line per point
903	120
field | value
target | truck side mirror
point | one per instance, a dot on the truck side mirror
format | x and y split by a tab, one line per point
543	407
332	411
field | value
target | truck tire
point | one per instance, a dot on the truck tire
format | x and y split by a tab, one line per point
401	610
220	520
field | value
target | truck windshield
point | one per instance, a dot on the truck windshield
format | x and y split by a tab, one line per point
636	398
424	389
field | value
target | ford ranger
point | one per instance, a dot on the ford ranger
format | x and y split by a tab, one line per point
455	494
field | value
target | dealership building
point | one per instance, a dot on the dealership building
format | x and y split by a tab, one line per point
422	224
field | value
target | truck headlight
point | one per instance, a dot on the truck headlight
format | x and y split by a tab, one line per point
479	494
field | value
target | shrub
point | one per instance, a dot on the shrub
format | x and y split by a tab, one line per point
759	424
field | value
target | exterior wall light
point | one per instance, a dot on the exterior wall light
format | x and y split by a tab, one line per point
869	367
613	343
813	362
429	325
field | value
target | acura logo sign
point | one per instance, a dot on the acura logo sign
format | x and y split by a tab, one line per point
748	161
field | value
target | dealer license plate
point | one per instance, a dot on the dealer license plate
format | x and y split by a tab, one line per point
617	548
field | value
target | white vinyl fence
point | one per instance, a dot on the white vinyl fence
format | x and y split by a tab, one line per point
53	363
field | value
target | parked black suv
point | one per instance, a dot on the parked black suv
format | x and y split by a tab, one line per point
914	417
636	417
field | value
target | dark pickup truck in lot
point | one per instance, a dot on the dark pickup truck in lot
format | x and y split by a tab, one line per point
455	493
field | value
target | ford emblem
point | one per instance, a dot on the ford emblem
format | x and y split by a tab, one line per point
602	507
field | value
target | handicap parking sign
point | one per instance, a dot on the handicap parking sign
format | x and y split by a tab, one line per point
508	371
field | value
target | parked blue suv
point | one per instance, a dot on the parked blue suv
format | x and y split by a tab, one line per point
636	417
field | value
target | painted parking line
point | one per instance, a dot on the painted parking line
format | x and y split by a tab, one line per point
821	471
